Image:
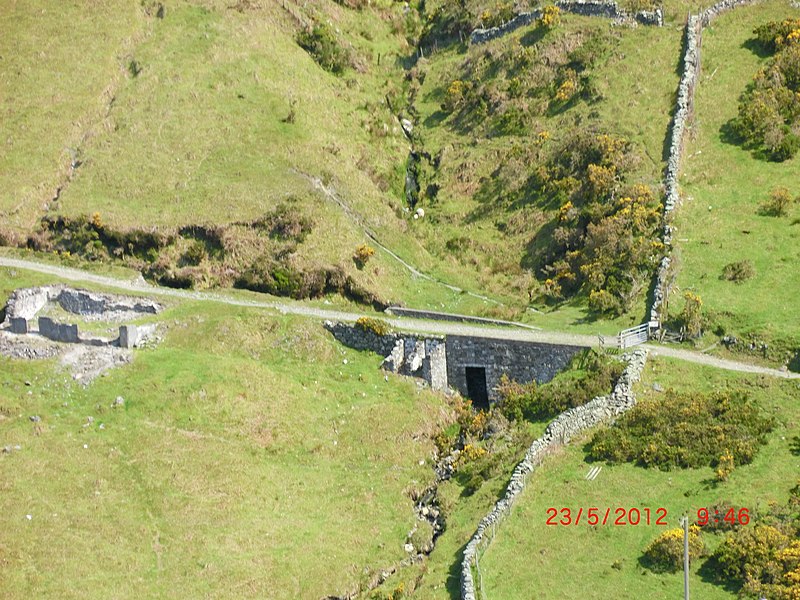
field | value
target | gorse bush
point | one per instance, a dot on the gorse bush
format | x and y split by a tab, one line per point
362	254
739	271
321	43
605	241
778	203
377	326
778	34
691	317
762	557
684	430
769	111
665	553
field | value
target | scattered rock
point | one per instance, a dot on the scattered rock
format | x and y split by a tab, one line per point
657	387
35	418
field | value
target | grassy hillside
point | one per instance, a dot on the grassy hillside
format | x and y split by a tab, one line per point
527	557
195	120
245	441
486	216
55	86
724	186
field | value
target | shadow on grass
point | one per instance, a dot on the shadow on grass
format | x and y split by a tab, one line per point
794	364
655	567
756	48
710	572
533	37
435	119
453	583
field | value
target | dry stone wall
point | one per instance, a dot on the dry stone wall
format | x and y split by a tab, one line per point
559	431
588	8
683	113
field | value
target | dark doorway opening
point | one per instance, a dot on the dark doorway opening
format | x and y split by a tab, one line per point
476	387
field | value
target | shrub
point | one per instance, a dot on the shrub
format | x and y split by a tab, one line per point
769	111
454	95
725	466
778	203
195	253
602	302
665	553
776	34
321	43
269	277
691	317
285	223
551	17
685	431
739	271
470	453
362	254
514	397
377	326
747	554
568	87
763	557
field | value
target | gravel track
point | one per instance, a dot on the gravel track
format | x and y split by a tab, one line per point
404	324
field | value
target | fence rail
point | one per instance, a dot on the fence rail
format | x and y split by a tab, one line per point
627	338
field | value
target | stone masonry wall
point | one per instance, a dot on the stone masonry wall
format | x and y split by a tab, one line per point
521	361
360	339
587	8
442	361
680	122
58	332
27	302
559	431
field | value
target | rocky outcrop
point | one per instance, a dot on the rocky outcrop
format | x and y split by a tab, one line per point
559	431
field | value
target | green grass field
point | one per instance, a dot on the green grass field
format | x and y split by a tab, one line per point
528	558
724	186
247	458
256	457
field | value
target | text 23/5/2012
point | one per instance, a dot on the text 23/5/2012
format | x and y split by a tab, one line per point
610	516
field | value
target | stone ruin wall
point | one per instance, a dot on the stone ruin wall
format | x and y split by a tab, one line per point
558	432
24	304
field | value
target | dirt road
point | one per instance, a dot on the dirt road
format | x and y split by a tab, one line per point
404	324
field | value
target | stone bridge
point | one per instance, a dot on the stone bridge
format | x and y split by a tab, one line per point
470	365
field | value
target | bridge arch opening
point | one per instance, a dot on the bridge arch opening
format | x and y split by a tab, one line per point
476	387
